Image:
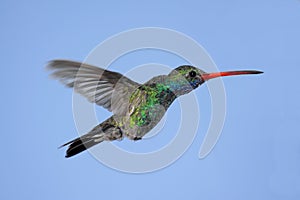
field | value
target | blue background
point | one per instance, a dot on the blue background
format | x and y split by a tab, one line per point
258	154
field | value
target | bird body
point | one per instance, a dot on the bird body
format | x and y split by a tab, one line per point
136	108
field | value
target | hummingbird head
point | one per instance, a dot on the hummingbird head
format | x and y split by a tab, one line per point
186	78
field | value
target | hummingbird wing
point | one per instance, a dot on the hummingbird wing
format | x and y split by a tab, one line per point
98	85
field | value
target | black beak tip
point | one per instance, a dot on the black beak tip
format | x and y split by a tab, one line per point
259	72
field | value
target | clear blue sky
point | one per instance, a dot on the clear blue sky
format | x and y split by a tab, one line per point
258	154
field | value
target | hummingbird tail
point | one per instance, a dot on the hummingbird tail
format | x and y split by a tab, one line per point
106	131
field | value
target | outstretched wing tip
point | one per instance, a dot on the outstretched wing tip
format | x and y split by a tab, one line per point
94	83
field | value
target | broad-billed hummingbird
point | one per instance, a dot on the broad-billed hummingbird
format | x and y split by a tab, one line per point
136	108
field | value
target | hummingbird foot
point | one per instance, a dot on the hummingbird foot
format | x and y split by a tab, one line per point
137	138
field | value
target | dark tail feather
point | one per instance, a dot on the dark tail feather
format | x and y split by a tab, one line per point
82	143
103	131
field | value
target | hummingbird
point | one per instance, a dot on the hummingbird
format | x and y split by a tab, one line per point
136	108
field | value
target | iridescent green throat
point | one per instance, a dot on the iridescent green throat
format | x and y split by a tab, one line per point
153	95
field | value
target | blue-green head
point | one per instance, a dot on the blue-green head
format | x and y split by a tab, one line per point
184	79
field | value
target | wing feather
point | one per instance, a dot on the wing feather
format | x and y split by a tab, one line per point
96	84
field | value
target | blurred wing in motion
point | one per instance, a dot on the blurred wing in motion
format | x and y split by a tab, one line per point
105	88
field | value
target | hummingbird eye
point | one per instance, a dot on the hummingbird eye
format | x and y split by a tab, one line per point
192	74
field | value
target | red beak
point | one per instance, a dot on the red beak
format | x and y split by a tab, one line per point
208	76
